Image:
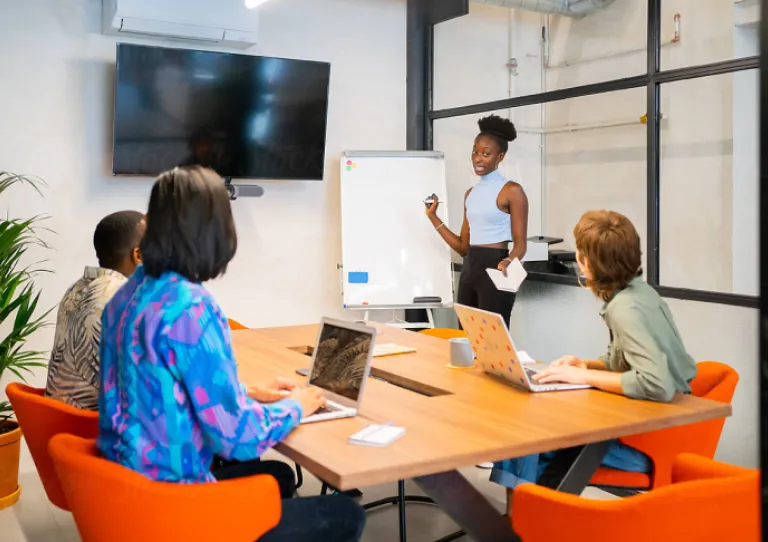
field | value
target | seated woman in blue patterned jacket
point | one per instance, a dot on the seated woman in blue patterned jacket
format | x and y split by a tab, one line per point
170	398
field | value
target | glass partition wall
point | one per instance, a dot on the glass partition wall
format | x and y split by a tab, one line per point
647	107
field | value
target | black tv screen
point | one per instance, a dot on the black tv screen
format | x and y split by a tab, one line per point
243	116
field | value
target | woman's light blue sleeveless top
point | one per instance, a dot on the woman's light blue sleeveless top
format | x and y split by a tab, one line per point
487	224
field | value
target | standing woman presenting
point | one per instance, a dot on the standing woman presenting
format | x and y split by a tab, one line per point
495	213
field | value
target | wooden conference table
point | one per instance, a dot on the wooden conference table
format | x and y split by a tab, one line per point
453	418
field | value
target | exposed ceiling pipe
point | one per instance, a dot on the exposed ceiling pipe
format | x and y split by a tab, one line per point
569	8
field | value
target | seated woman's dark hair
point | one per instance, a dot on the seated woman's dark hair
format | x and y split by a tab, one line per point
190	229
500	129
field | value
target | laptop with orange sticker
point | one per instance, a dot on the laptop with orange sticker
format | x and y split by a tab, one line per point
496	353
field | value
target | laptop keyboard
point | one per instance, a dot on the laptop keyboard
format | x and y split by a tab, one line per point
530	372
329	407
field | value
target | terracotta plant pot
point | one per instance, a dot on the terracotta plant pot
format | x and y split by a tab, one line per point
10	447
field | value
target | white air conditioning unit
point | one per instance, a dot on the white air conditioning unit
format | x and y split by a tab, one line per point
227	22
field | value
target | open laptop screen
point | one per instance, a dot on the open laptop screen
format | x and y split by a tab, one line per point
340	360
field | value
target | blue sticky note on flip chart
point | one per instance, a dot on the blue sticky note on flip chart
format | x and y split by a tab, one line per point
357	278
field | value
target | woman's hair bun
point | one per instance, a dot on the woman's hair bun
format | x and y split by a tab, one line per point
498	126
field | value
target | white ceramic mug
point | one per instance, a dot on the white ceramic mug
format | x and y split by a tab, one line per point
461	353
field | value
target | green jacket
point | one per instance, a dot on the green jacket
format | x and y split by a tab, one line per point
646	345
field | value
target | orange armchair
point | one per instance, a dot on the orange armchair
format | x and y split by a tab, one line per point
444	333
714	381
707	502
40	419
113	503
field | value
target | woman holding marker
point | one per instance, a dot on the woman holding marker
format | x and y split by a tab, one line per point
495	213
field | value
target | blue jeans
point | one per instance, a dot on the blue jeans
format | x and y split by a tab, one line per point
510	473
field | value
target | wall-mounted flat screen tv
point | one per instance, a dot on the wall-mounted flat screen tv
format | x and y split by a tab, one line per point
244	116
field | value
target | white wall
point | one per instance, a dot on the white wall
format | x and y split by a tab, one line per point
708	195
600	168
470	58
707	32
56	122
746	167
697	184
576	46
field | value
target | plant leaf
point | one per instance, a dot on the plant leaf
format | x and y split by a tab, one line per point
19	296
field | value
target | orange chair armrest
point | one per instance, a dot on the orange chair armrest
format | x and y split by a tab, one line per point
233	499
114	503
665	445
690	467
545	514
674	440
241	509
702	510
230	500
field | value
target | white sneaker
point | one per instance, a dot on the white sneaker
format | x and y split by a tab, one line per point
487	466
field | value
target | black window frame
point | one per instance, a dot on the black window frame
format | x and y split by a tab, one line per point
763	317
421	136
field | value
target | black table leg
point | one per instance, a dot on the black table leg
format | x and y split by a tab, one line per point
467	507
401	510
572	468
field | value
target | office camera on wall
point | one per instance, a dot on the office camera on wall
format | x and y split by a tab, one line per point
242	190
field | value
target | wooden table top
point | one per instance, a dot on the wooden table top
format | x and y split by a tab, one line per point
466	417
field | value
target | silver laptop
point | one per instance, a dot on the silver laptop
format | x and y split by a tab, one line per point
496	352
341	364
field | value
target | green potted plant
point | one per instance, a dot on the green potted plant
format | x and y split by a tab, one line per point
18	307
